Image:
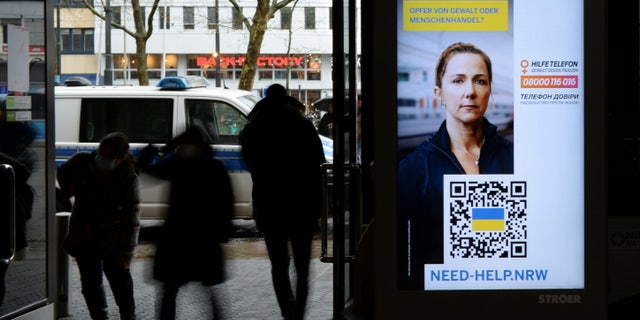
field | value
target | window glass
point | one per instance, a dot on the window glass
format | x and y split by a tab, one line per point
164	18
76	40
88	40
115	14
314	64
230	122
309	18
65	37
154	61
200	113
211	18
280	74
265	74
188	18
237	19
285	18
222	121
76	36
143	120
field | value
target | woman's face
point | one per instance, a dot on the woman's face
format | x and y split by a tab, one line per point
466	88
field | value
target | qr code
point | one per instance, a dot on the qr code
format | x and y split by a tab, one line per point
488	219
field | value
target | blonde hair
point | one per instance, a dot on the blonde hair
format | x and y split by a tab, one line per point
456	48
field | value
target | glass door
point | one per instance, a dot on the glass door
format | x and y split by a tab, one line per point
343	219
24	245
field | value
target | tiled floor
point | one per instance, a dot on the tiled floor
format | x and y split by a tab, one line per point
247	294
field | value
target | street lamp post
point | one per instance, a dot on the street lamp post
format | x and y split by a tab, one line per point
217	48
58	45
108	76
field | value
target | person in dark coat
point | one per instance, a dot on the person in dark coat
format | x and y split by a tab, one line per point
200	215
105	221
284	154
325	126
465	143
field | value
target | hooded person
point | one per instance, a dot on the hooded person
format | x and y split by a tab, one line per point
105	221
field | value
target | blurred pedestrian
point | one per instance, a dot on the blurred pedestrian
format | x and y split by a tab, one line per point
104	224
200	214
325	126
284	154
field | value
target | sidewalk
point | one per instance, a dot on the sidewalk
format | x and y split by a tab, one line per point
247	293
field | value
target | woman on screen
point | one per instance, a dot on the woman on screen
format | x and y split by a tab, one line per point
465	143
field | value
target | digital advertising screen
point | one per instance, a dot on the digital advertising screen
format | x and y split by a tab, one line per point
499	225
492	189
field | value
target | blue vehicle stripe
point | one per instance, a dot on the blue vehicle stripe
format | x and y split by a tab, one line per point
232	158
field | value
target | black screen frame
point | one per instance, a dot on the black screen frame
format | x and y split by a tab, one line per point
500	304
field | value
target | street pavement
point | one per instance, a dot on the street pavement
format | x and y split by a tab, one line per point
247	294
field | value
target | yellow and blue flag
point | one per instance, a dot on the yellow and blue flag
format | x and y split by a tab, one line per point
487	219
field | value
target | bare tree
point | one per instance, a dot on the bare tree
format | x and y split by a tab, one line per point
141	33
257	27
293	8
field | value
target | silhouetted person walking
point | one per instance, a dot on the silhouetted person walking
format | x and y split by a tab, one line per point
284	154
199	219
105	221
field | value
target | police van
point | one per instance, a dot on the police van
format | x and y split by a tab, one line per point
156	114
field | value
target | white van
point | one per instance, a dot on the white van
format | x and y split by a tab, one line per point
148	114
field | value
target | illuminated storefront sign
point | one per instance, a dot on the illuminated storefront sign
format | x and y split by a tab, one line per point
263	61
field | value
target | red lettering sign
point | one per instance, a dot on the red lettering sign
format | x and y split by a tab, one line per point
238	61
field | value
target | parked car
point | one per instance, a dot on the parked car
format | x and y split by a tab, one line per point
155	114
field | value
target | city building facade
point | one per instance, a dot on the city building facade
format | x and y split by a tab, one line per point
188	39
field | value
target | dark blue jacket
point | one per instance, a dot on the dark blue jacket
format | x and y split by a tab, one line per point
420	194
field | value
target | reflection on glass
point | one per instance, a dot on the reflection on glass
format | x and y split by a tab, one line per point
22	146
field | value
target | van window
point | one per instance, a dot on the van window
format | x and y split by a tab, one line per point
143	120
221	120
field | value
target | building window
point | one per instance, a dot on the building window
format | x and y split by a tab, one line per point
265	74
143	13
164	16
212	18
125	66
276	67
309	18
187	18
285	18
314	64
77	40
237	19
115	15
280	74
72	4
154	66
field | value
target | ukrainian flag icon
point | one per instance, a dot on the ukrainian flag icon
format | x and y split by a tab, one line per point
487	219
